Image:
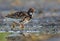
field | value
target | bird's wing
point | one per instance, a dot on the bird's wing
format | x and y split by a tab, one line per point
17	15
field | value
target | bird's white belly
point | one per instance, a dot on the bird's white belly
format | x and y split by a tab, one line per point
25	22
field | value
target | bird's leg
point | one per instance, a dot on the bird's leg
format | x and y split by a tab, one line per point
13	26
21	29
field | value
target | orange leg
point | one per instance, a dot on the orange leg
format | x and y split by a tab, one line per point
22	26
21	29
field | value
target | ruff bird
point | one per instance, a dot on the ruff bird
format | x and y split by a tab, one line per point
24	16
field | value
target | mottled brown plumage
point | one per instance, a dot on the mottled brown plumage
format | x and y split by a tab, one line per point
24	16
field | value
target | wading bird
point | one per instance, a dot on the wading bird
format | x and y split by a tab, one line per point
24	16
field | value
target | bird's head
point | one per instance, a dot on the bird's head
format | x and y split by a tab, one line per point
31	10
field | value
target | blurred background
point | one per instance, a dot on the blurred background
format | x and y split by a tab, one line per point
47	14
45	22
